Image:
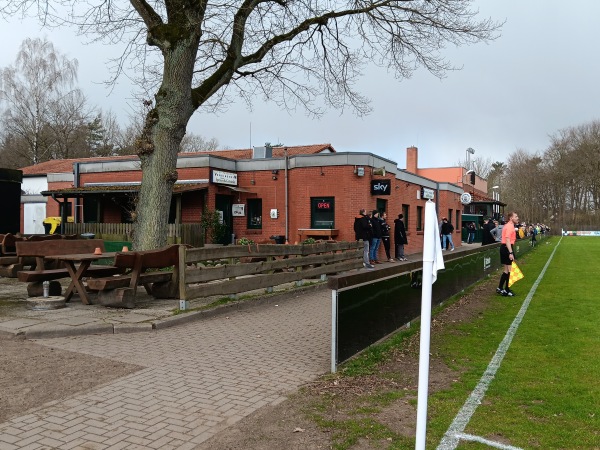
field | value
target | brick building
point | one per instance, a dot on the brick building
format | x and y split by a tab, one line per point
295	192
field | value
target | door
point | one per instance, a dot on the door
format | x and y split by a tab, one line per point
33	218
223	205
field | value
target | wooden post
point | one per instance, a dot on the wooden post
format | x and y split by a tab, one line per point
180	272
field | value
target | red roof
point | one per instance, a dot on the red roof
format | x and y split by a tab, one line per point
66	165
278	152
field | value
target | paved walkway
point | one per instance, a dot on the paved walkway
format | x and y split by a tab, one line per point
198	379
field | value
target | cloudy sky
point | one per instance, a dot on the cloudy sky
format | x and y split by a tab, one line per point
539	77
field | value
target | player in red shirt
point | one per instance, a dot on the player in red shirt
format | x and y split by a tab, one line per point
509	236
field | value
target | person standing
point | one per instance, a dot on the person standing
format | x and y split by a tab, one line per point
447	230
376	240
362	230
471	233
486	231
385	236
400	238
509	236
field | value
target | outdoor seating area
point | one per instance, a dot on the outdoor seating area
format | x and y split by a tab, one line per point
142	268
10	262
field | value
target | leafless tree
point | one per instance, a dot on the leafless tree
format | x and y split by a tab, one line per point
29	90
66	121
197	54
193	143
481	165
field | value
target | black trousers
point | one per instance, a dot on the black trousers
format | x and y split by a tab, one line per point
386	246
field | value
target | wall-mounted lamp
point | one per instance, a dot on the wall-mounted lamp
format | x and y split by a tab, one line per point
252	182
322	173
274	177
275	172
360	171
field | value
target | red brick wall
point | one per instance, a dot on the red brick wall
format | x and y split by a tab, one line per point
350	191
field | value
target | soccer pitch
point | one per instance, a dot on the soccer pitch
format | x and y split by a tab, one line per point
531	368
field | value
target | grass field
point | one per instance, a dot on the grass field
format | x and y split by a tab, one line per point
546	392
539	352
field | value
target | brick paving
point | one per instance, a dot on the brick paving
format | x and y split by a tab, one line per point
197	379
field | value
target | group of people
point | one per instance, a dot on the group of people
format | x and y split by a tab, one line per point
492	231
374	229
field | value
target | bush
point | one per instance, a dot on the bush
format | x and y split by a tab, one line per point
245	241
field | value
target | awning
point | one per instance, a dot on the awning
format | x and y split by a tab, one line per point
116	189
239	189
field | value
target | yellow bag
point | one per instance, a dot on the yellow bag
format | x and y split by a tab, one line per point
521	233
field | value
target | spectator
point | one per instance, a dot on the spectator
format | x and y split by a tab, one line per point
471	232
447	230
400	238
497	231
363	231
385	236
486	231
376	239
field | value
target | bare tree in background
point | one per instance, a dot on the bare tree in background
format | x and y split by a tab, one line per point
66	122
29	92
197	54
192	143
481	165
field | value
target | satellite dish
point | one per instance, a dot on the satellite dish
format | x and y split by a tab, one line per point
465	198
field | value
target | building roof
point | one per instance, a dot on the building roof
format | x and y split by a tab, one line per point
117	189
278	152
66	165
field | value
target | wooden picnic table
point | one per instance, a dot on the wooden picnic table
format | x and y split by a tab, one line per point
83	262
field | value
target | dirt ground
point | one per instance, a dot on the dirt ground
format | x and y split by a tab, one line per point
26	367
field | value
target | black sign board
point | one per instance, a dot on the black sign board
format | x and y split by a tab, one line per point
381	187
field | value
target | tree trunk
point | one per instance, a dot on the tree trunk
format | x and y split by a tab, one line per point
164	129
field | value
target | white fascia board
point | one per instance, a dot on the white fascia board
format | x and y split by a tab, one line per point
60	177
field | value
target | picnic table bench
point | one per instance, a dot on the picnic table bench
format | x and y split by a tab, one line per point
43	251
10	262
120	290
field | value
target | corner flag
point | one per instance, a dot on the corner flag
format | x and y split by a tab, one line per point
433	261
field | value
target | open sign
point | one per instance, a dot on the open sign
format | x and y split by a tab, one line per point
323	205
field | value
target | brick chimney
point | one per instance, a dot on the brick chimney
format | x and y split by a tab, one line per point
412	160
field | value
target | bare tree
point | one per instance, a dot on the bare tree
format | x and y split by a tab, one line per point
66	120
481	165
30	89
208	54
193	143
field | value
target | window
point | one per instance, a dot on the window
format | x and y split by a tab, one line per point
457	218
381	206
322	213
405	209
255	213
449	216
419	218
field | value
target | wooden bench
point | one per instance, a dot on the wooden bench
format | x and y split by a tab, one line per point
40	250
10	262
121	290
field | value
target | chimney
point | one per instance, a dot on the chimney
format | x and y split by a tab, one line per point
412	160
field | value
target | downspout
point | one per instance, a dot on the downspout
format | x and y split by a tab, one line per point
287	224
437	203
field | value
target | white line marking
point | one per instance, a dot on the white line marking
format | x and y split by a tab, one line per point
470	437
454	432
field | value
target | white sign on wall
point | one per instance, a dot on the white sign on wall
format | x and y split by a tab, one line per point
228	178
238	210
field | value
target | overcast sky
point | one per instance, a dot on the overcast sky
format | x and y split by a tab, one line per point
542	75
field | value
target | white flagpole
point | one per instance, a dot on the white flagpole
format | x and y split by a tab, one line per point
432	260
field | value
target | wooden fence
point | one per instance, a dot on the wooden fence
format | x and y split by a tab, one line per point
183	233
234	269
